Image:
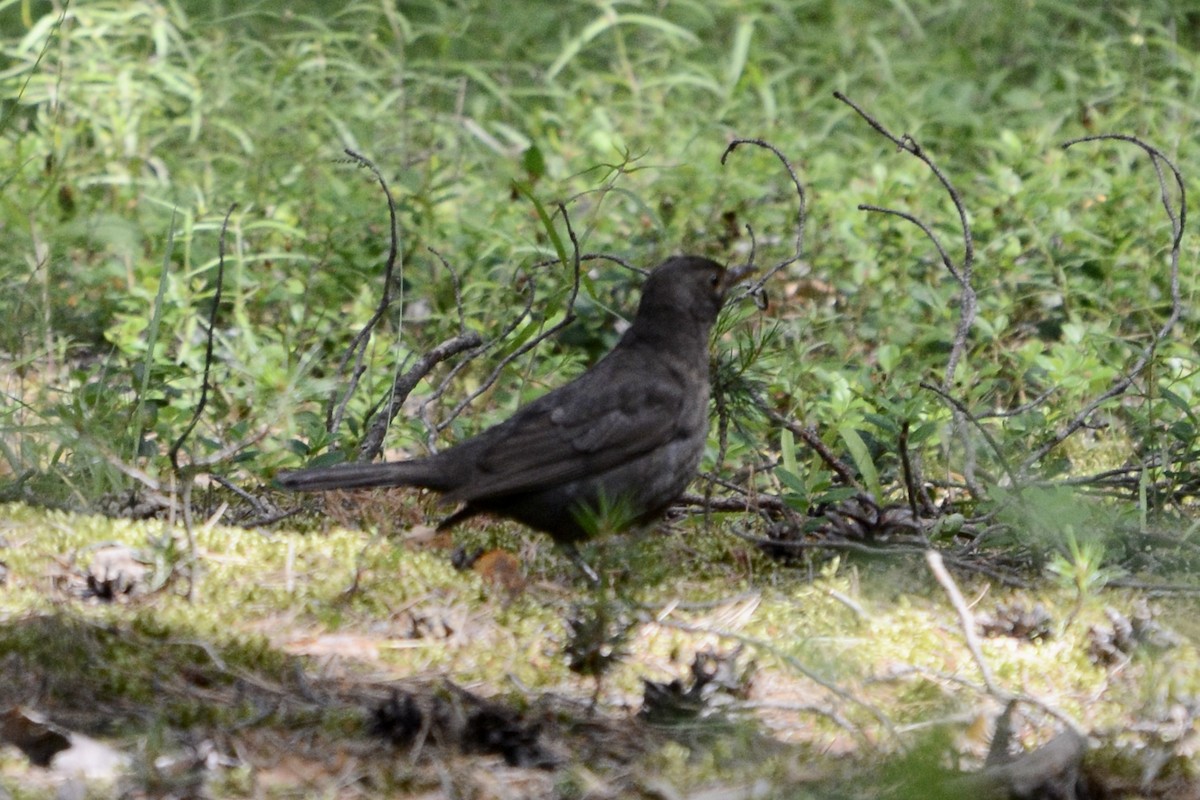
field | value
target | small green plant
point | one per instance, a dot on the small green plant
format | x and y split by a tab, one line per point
1080	565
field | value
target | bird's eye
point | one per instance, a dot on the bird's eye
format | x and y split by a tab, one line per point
714	280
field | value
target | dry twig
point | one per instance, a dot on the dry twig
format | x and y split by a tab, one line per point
756	287
1178	220
357	349
962	273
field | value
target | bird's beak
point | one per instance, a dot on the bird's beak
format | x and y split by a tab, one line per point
735	274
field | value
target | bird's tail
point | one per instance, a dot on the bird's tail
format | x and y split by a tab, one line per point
418	472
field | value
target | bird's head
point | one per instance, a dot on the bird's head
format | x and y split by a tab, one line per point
687	288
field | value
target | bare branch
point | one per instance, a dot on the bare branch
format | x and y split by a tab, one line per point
810	437
748	503
1003	696
965	273
1178	220
946	260
372	444
608	257
918	498
789	660
1021	409
433	428
908	144
756	287
230	450
336	409
959	408
549	262
965	617
208	345
458	301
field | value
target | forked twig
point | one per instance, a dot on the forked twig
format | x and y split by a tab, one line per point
404	383
963	273
432	428
372	443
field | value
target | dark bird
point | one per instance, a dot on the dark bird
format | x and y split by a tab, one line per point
619	443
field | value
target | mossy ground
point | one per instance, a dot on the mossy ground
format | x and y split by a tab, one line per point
292	639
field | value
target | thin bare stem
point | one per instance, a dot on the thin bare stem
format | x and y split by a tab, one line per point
810	437
910	483
791	662
208	345
458	301
336	408
756	288
1178	221
947	262
965	617
958	407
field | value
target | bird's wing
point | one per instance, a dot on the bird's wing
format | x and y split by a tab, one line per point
597	422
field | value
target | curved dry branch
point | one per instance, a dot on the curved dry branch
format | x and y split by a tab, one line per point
433	428
372	443
809	437
963	273
208	345
793	663
756	287
958	407
910	145
454	279
616	260
336	409
947	262
1178	220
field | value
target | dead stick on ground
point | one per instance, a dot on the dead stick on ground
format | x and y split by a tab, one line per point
965	617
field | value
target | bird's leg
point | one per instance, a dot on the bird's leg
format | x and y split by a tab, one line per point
572	552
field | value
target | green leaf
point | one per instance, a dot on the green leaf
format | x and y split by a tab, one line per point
787	451
885	424
862	459
741	50
1178	402
526	191
534	162
792	482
